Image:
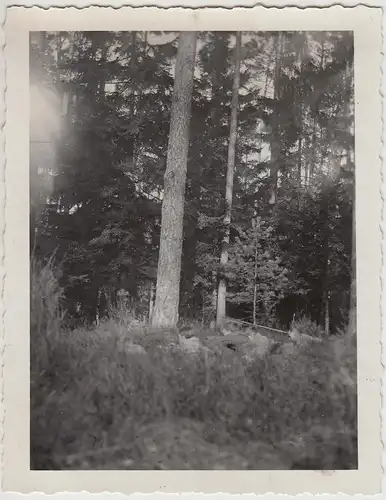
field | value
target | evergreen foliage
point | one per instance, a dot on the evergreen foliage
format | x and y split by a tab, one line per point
102	212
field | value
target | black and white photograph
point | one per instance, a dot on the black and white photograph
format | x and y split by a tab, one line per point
193	299
193	241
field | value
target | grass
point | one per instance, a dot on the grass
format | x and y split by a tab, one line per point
96	405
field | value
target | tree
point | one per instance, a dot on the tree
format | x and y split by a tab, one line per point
275	134
169	263
102	208
353	284
221	295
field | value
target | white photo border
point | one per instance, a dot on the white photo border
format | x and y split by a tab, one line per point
14	214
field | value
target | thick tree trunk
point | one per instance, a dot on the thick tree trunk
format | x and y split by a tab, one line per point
169	263
221	295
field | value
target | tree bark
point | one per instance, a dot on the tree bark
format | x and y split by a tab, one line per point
326	256
134	98
314	150
169	262
255	283
353	286
299	105
190	296
300	161
151	302
214	294
352	326
275	139
327	314
221	295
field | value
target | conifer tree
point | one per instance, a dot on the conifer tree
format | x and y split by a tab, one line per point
169	262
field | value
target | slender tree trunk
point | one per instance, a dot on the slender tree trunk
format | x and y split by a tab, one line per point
327	314
255	285
221	295
134	89
299	113
353	287
133	71
98	308
102	76
214	292
169	263
58	60
326	255
151	302
300	161
275	139
314	153
299	175
308	175
352	326
268	73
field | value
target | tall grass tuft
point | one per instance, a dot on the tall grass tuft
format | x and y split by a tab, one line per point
45	342
45	302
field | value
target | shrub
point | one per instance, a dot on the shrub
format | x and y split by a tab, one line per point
124	313
307	326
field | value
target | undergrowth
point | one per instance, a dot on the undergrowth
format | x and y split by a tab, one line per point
97	405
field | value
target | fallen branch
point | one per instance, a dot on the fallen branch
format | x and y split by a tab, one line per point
255	326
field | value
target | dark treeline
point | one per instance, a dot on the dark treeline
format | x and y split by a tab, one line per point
97	184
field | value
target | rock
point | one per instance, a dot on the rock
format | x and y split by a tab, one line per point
302	338
191	344
260	344
259	339
186	331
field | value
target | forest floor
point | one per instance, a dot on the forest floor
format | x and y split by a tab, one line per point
121	398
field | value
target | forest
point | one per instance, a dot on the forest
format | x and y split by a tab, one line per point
191	182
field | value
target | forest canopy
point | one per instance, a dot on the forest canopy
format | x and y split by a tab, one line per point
100	120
